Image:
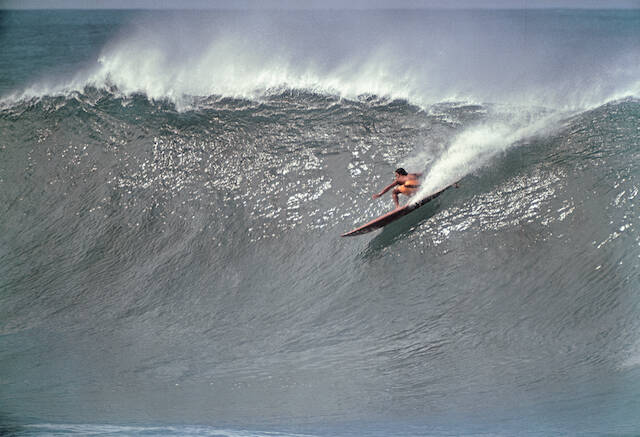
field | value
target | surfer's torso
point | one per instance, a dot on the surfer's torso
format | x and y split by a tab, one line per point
408	184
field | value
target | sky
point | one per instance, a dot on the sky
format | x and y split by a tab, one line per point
315	4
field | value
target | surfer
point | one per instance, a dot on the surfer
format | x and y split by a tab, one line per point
405	183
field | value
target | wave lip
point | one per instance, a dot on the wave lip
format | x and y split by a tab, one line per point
227	71
184	86
395	56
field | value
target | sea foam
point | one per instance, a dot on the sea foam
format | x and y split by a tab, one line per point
423	57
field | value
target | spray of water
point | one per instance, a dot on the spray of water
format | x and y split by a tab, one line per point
423	57
476	146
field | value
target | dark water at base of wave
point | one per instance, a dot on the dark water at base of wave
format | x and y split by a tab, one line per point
162	269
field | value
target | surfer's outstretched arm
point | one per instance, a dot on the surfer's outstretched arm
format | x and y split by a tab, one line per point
387	188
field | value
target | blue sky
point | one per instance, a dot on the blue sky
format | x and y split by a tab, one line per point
313	4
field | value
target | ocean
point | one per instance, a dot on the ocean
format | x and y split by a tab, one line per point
173	186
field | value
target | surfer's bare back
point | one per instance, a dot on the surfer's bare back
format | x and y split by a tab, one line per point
405	183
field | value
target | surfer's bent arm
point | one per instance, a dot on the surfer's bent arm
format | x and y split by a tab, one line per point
387	188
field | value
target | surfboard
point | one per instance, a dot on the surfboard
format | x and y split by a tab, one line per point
394	215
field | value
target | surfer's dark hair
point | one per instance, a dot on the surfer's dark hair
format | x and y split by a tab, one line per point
401	171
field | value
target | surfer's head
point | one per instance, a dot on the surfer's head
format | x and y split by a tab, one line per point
401	171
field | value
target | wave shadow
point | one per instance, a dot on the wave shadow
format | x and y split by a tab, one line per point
399	229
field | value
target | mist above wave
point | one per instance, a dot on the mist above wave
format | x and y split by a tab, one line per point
514	57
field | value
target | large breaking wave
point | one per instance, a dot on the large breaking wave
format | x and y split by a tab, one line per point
172	214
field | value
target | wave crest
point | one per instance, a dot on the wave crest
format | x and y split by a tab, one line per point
424	57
